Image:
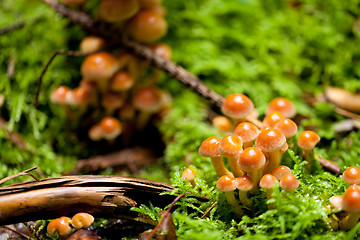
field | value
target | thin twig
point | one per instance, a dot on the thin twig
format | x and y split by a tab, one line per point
58	52
164	216
11	28
347	113
15	231
26	172
206	213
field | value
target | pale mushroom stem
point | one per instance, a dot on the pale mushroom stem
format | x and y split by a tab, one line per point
219	167
274	159
349	221
244	199
230	197
308	156
255	177
235	169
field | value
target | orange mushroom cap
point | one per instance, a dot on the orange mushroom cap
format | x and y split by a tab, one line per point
281	171
91	44
237	106
111	127
226	183
251	159
246	131
351	199
189	174
148	99
352	175
289	182
336	201
267	181
272	119
244	183
81	96
222	123
230	145
118	10
287	127
58	95
210	147
113	100
308	139
163	50
147	26
95	133
60	225
270	139
82	220
282	105
121	81
99	66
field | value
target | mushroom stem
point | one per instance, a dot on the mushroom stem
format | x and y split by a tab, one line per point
230	198
274	159
244	199
235	169
254	121
308	156
219	167
349	221
269	196
255	177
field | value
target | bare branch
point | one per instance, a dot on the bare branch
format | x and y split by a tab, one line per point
26	172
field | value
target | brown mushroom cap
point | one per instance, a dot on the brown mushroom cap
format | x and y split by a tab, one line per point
244	183
210	147
60	225
99	66
282	105
289	182
351	199
267	181
163	50
237	106
189	174
82	220
81	95
287	127
222	123
352	175
336	201
280	171
58	95
226	183
246	131
308	139
251	159
113	100
230	145
118	10
111	127
121	81
95	133
272	119
148	99
270	139
147	26
91	44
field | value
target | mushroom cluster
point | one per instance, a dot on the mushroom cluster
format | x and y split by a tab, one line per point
61	226
254	150
115	83
347	205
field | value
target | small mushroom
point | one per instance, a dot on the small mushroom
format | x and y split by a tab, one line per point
60	225
230	146
228	185
91	44
244	184
272	119
110	127
289	183
281	171
282	105
189	176
223	124
352	175
82	220
248	132
307	141
288	128
121	81
268	182
351	204
117	10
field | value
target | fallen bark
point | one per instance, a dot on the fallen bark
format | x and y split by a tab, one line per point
102	196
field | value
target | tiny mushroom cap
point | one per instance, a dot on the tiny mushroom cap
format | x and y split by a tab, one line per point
267	181
307	140
272	119
91	44
352	175
282	105
81	96
244	183
287	127
60	225
222	123
113	100
246	131
58	95
99	66
336	201
289	182
149	3
121	81
189	174
147	26
95	133
351	199
281	171
237	106
230	145
118	10
82	220
210	147
148	99
111	127
226	183
284	148
270	139
251	159
163	50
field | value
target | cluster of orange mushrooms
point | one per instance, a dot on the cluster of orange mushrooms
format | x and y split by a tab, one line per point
117	82
254	150
61	226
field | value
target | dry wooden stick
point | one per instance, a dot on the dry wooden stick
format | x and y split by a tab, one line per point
211	207
26	172
100	195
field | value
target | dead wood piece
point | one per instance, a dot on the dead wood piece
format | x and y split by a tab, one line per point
137	157
99	195
343	99
328	165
